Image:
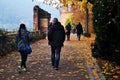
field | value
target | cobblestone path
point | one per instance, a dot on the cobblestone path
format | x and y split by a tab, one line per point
73	63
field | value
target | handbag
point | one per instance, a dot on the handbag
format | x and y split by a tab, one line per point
28	49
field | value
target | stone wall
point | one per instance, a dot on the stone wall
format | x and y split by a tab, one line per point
7	42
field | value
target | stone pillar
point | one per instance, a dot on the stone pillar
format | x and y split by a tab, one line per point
36	18
40	19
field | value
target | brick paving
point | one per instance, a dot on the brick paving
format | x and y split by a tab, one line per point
74	63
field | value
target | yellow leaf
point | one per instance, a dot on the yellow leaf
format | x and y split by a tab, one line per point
116	77
118	72
86	76
1	70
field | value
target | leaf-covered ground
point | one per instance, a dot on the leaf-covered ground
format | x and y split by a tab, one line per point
76	63
110	69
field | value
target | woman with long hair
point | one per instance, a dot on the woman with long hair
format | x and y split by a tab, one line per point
26	37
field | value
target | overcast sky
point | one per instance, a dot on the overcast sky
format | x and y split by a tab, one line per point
14	12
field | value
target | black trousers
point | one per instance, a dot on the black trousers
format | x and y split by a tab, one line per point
23	59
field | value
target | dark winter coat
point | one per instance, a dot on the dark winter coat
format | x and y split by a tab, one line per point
79	29
68	29
56	35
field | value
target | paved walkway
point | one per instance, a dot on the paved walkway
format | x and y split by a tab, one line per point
76	63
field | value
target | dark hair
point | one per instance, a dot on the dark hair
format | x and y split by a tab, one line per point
22	26
56	19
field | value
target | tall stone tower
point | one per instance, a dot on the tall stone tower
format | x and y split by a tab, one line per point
67	12
78	15
64	14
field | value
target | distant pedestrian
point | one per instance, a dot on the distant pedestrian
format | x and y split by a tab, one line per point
67	31
73	30
79	30
23	37
56	38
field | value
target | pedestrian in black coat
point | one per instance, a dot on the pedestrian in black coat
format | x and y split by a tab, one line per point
68	30
56	38
79	30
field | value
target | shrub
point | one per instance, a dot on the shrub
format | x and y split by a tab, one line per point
106	22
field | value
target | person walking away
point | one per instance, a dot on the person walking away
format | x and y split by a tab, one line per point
56	38
67	31
23	37
73	30
79	30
